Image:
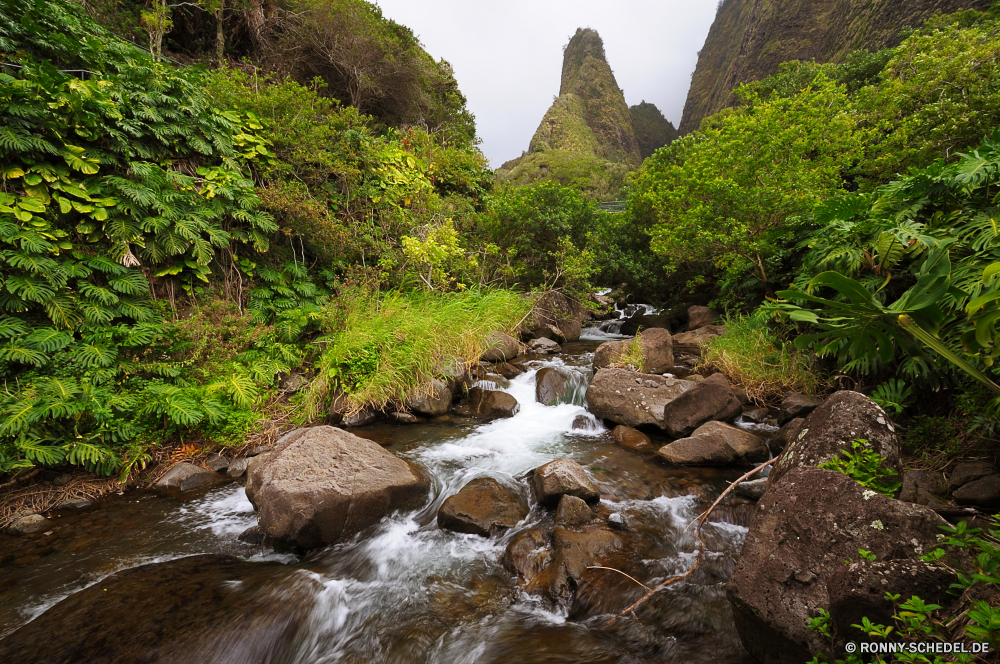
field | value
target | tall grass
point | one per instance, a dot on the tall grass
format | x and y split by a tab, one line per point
754	356
384	346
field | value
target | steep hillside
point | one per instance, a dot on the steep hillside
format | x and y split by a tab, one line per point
750	38
587	138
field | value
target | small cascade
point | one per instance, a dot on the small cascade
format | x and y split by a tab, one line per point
611	329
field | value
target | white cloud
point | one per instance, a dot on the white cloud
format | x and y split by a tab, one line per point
508	55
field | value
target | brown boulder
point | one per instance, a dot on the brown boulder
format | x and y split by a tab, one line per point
657	351
186	477
483	506
796	405
631	439
715	444
633	399
572	553
923	488
691	342
487	404
544	346
969	471
555	316
984	492
563	477
500	347
433	400
322	484
699	317
804	528
786	434
833	427
711	399
360	418
550	385
573	512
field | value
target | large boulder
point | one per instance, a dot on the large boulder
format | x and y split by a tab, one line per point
185	476
482	507
657	351
573	552
969	471
715	444
803	530
833	427
923	487
500	347
563	477
644	321
633	399
434	399
699	317
487	404
691	342
796	405
984	492
550	385
322	484
711	399
555	316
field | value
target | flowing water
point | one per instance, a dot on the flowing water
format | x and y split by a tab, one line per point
405	590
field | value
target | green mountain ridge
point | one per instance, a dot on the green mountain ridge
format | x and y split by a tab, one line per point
750	38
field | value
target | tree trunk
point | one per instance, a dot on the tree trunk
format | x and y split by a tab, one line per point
220	35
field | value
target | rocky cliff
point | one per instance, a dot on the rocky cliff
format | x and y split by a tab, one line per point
750	38
652	130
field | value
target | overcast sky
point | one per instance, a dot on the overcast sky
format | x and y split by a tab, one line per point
507	55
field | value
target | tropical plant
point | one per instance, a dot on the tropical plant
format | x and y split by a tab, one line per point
866	467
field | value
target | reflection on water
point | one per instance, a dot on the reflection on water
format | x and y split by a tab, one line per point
406	591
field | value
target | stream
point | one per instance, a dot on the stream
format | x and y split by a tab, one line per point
405	590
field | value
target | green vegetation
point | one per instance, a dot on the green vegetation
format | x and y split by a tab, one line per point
865	466
652	130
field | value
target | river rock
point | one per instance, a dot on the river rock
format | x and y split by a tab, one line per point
796	405
527	554
699	317
573	512
633	399
217	462
252	535
832	428
192	610
508	370
984	492
484	506
715	444
804	528
453	372
555	316
563	477
857	591
644	321
786	434
572	553
260	461
360	418
339	405
923	488
76	504
691	342
238	468
27	525
433	400
550	385
757	415
401	417
754	490
487	404
185	476
631	439
711	399
544	346
969	471
500	347
657	351
323	484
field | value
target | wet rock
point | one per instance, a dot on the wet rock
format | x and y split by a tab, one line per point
544	346
360	418
832	427
657	351
923	488
185	476
563	477
753	490
487	404
984	492
217	462
323	484
238	468
400	417
293	383
617	522
62	480
484	507
691	342
550	386
582	423
555	316
969	471
796	405
805	526
76	504
28	524
500	347
711	399
758	415
715	444
699	317
252	535
644	321
188	611
573	512
435	399
786	434
631	439
741	394
527	554
508	370
572	553
615	395
339	405
857	591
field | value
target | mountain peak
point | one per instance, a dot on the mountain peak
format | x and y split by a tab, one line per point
585	44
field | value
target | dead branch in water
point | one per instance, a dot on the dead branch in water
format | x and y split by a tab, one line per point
700	520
